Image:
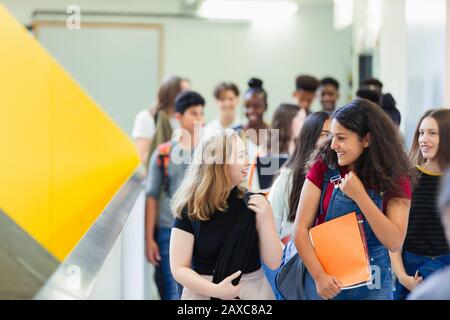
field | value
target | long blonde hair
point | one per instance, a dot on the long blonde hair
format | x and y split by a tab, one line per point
205	187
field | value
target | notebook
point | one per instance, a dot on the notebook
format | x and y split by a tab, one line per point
341	247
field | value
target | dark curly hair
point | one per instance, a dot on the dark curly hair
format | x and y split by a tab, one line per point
307	83
384	163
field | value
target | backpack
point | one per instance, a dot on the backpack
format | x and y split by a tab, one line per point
162	162
290	278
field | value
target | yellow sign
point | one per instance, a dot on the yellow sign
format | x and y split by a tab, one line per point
62	158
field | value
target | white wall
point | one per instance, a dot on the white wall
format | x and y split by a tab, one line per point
447	59
412	55
211	52
393	53
426	25
95	58
208	52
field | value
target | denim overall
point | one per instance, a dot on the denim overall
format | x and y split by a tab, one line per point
381	287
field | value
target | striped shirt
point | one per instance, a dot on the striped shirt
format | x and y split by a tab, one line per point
426	236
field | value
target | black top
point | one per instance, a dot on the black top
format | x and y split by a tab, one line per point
426	234
267	166
210	236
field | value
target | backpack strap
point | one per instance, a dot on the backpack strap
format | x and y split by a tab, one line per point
163	160
326	180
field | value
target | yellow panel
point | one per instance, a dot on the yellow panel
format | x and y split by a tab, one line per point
24	129
86	174
63	157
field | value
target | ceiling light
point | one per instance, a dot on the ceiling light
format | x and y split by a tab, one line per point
246	9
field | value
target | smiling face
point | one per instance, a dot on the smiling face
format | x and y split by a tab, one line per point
255	107
329	96
237	164
347	144
228	102
429	138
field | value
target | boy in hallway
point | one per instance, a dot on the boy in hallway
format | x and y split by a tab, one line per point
329	94
305	93
227	100
166	170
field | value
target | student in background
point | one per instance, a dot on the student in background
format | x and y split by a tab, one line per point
166	121
372	84
388	104
373	93
286	125
365	150
285	191
217	235
305	91
369	94
437	287
255	132
227	100
386	101
425	249
288	120
144	124
167	168
329	94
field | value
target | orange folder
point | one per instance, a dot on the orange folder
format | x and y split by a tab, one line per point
342	250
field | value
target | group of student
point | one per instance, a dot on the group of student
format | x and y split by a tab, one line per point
216	227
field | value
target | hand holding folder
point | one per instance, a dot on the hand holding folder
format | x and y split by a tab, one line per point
342	250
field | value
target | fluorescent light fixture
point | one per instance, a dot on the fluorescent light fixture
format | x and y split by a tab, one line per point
246	9
430	12
343	14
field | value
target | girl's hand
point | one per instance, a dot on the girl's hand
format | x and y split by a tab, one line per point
410	282
352	186
225	290
152	251
328	286
261	206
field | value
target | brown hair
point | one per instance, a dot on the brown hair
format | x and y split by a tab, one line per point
384	163
225	86
298	162
168	90
282	120
442	117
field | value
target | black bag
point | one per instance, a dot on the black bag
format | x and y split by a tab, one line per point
290	279
237	247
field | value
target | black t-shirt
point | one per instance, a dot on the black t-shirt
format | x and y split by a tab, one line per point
210	236
425	234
